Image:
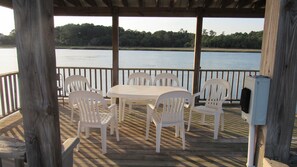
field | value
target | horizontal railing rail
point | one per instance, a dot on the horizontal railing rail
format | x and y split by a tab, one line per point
100	78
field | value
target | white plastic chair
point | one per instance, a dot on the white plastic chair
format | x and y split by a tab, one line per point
92	115
171	114
216	92
75	83
139	78
166	79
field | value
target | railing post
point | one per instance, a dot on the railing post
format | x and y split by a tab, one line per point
197	53
115	47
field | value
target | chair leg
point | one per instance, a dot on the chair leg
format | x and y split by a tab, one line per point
148	122
130	107
87	132
222	122
114	124
112	127
123	109
177	130
71	118
216	125
158	137
182	133
78	134
189	122
202	118
103	139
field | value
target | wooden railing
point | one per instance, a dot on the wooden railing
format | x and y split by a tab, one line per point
9	94
100	78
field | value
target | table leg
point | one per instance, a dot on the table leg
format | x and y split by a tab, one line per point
119	108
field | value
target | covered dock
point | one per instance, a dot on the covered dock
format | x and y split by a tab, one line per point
43	128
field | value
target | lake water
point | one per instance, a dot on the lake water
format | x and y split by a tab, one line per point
144	59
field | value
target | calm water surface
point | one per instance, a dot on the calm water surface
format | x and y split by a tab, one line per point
145	59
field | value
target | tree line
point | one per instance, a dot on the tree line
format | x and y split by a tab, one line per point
97	35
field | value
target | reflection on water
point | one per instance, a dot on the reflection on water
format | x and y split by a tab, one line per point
144	59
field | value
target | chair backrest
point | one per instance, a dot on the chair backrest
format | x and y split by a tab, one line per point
216	92
76	83
166	79
139	78
172	104
88	105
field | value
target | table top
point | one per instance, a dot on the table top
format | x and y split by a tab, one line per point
12	148
140	92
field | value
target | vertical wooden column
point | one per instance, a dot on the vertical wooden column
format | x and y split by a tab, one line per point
279	57
197	53
37	81
115	47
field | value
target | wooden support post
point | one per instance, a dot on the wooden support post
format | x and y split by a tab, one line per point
279	57
115	47
37	81
197	53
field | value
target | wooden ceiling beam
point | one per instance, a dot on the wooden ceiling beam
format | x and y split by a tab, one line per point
88	3
158	3
100	3
73	3
58	3
172	3
6	3
258	4
160	12
207	3
243	3
226	3
141	3
125	3
190	3
108	3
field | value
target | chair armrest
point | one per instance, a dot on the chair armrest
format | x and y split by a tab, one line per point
197	94
187	105
67	151
96	90
151	106
194	97
112	107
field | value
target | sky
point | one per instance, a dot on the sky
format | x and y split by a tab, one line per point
149	24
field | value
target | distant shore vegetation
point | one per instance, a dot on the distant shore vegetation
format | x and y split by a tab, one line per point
90	36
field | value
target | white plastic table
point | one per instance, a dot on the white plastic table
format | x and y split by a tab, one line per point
138	92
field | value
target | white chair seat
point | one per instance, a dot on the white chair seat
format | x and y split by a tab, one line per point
206	110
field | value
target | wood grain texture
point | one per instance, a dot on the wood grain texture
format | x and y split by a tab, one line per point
279	63
115	48
37	81
197	53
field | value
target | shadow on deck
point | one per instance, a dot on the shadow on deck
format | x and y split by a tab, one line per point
133	150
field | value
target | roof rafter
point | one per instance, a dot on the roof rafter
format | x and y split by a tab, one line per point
108	3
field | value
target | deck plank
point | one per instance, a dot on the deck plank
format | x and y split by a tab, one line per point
133	150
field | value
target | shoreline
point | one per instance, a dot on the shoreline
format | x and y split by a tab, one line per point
155	49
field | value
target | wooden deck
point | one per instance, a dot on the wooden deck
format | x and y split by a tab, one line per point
133	150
